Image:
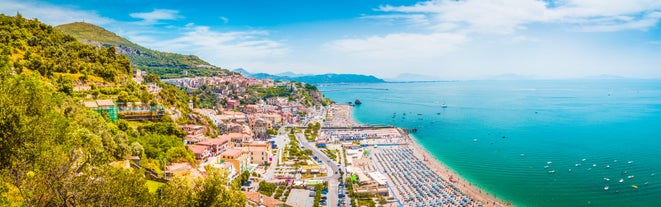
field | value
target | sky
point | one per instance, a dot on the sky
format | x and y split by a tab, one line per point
444	39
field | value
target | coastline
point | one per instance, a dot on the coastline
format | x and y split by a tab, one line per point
439	167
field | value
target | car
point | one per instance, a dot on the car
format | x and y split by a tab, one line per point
340	195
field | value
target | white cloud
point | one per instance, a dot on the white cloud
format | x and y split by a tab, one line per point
51	14
225	20
156	15
400	45
222	48
508	16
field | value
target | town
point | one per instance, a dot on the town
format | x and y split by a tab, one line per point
293	151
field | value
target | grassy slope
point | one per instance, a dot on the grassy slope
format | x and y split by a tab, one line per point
152	58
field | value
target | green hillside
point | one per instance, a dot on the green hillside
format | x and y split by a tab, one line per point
167	65
56	152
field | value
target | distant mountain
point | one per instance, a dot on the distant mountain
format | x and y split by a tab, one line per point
314	79
511	76
162	63
405	77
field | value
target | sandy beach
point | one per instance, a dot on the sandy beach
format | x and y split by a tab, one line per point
437	165
465	186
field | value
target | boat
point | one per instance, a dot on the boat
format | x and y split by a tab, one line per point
594	165
621	180
549	162
607	179
474	140
630	176
551	171
607	166
589	168
653	174
630	162
583	160
444	105
577	165
546	166
634	186
606	188
569	170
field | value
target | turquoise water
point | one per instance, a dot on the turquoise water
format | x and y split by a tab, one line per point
501	134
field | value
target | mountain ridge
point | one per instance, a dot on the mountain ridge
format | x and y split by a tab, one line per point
314	79
165	64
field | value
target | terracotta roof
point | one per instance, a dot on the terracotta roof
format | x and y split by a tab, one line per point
197	149
209	142
232	152
258	198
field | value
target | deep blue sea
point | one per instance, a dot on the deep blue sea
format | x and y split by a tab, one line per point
502	135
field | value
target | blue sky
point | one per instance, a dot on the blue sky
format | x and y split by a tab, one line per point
446	39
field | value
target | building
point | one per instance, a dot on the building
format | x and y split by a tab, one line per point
260	152
236	139
103	107
216	146
240	160
256	199
259	128
201	152
138	111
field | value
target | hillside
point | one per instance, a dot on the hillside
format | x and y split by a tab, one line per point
315	79
56	152
165	64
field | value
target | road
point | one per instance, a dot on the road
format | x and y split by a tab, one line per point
332	175
281	140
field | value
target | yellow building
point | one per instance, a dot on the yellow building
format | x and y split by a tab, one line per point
240	160
260	152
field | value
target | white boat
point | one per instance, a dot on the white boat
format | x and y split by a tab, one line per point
583	159
630	176
607	166
621	180
630	162
546	166
549	162
594	165
577	165
607	179
606	188
551	171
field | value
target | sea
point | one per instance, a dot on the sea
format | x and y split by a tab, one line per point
531	142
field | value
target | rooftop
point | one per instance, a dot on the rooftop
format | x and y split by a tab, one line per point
232	152
216	141
197	149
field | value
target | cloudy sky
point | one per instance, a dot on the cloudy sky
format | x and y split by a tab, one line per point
449	39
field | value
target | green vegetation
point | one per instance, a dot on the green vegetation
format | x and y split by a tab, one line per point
317	195
31	45
205	97
166	65
312	131
266	188
358	199
153	185
293	150
209	191
331	153
55	152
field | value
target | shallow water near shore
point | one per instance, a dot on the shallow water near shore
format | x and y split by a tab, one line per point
534	143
